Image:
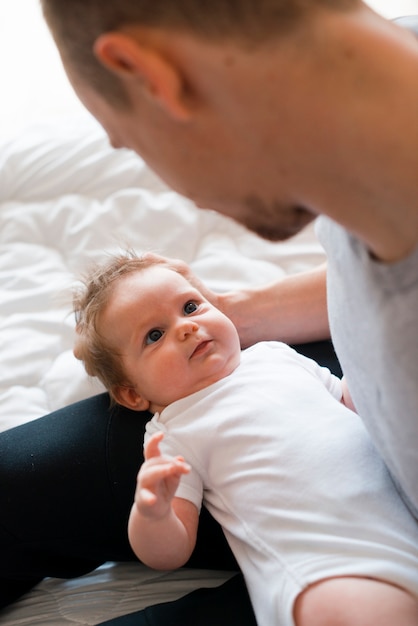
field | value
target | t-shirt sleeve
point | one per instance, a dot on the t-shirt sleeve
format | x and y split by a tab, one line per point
190	486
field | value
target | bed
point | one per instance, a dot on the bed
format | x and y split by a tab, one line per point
66	199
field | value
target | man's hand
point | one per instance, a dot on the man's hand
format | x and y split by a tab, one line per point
184	269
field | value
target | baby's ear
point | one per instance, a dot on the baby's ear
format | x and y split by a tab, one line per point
128	397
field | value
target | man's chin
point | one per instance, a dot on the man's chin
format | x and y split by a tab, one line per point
282	231
274	219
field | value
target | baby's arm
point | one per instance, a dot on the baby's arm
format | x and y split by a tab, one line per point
162	528
346	397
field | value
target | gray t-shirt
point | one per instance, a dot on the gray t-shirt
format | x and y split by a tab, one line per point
373	310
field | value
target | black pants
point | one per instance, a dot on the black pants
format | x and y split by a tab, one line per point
67	485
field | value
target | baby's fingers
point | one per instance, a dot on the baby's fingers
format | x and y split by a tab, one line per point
151	474
147	497
152	448
157	485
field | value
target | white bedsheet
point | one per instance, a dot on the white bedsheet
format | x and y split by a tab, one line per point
67	198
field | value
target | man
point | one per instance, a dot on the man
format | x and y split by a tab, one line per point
272	113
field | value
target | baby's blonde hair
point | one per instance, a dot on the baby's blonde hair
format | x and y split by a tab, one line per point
100	359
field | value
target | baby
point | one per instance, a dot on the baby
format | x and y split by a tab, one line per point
263	438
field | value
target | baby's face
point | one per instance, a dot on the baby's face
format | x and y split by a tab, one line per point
172	341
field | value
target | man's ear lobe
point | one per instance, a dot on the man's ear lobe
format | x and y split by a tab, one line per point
159	76
128	397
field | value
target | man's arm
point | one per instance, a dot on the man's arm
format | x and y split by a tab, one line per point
293	309
162	528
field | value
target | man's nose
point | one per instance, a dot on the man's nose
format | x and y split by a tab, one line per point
185	328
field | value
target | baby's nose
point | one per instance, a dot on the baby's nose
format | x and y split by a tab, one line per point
186	327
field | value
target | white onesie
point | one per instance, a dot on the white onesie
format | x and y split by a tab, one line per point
293	478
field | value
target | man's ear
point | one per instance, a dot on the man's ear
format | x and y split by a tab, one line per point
158	74
128	397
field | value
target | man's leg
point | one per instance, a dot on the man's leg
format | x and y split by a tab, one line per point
62	509
67	486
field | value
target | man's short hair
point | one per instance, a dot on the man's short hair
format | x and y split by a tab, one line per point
76	24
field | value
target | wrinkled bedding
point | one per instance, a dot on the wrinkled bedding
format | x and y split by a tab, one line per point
66	199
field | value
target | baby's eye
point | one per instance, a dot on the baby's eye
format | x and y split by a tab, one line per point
153	336
190	307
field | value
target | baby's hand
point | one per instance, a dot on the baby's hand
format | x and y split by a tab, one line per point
158	480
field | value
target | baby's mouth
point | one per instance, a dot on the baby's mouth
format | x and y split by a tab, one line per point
201	348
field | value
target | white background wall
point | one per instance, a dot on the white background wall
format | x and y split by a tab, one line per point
34	87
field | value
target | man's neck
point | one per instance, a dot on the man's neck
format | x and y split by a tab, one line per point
378	197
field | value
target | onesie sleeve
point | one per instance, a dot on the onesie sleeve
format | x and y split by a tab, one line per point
191	485
329	380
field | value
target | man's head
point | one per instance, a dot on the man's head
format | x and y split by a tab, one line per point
235	104
149	335
78	24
